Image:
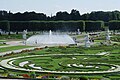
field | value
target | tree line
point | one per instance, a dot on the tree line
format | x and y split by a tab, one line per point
64	16
64	21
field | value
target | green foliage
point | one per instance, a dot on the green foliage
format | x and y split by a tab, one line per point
52	25
115	38
114	25
65	16
4	25
94	25
83	78
57	25
11	36
60	62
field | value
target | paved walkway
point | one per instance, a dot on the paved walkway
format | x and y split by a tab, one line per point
16	51
12	43
15	43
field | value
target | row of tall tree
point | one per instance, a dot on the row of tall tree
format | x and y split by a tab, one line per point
64	16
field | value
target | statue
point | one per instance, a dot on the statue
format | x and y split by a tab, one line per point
78	31
108	35
108	42
24	34
87	42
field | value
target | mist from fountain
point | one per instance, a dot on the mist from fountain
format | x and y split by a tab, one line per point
50	39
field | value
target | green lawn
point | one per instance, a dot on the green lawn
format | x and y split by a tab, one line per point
3	44
12	36
13	48
3	40
79	36
52	62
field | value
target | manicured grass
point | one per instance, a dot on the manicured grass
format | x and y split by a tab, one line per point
99	40
80	36
83	50
12	36
115	38
52	62
13	48
3	40
3	44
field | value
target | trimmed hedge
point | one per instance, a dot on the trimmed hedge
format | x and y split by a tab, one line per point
52	25
94	25
114	25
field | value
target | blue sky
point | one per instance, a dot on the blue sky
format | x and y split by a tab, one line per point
52	6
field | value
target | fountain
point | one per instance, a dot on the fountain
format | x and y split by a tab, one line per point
50	32
50	39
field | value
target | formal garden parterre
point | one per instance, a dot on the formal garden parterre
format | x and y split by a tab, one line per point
97	60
